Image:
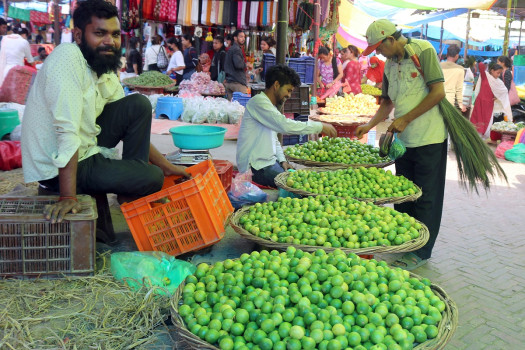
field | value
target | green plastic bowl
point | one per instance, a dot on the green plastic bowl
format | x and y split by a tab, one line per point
198	136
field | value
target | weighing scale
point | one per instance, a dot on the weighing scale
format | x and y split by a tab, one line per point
188	157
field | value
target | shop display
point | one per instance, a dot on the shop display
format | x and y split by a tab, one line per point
359	104
370	90
300	300
336	150
201	84
371	183
507	126
149	79
211	110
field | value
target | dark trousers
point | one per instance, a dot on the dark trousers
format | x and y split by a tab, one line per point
426	166
127	120
266	176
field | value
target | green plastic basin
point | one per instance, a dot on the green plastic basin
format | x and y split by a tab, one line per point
198	136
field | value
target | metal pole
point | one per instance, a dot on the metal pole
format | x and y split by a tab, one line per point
57	22
282	25
315	27
441	39
519	39
507	29
141	28
466	39
5	9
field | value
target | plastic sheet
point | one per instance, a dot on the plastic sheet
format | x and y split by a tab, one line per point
150	269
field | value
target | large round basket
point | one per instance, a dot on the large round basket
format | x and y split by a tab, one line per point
409	246
148	90
280	181
313	163
446	327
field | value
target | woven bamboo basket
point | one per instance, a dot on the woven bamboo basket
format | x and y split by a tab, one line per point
280	181
335	166
446	327
340	119
126	82
409	246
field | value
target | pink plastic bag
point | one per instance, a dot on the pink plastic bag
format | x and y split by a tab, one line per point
502	147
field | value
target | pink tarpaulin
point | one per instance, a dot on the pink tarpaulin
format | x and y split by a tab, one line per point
362	44
163	126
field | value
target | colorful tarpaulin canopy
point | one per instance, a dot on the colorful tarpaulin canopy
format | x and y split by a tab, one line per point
441	4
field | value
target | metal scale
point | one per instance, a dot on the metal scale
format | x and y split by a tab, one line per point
188	157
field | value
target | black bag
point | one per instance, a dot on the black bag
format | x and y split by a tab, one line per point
162	59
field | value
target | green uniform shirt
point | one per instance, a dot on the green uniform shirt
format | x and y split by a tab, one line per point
404	85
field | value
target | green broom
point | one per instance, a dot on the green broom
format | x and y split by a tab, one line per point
477	164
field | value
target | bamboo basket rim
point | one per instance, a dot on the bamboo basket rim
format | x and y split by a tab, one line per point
409	246
335	166
321	110
318	118
446	328
280	181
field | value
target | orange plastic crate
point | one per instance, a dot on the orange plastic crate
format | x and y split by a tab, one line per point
181	217
225	171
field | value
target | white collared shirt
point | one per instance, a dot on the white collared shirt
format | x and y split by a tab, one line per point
257	145
61	111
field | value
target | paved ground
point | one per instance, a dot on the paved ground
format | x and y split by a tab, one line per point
479	257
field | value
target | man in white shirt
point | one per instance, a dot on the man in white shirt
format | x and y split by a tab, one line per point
76	114
258	148
15	48
454	76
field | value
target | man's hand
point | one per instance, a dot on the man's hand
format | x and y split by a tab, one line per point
463	108
56	212
399	124
361	130
286	166
329	130
172	169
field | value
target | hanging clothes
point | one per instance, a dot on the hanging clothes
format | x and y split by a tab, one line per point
148	7
163	12
172	11
226	12
234	5
220	14
325	10
239	14
180	12
274	13
216	6
156	9
204	11
194	13
213	13
254	10
187	15
247	14
124	15
264	13
133	12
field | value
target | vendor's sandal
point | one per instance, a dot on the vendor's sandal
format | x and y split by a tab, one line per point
409	262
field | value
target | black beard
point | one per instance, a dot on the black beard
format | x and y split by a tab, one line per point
98	62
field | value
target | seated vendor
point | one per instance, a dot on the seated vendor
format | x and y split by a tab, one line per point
258	148
76	113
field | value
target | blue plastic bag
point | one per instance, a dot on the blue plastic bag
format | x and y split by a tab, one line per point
397	148
150	269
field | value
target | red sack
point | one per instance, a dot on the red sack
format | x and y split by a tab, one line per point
502	147
10	155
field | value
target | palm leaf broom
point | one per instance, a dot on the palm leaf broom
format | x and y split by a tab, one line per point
477	164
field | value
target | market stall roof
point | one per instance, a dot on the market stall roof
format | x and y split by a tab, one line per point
517	11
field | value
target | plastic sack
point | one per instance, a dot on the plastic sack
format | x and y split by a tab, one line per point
10	155
502	148
516	154
244	190
201	114
150	269
397	148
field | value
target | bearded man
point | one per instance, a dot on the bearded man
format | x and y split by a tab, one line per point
76	113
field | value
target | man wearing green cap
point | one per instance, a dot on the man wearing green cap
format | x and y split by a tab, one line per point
413	85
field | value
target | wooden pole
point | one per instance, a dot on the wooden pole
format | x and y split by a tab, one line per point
141	28
317	18
507	29
56	28
282	26
466	39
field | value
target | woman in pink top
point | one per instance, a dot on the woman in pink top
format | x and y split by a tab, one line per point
330	68
351	68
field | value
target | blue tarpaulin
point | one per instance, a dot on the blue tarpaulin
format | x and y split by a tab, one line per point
469	52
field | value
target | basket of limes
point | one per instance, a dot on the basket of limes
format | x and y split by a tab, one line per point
300	300
336	153
329	223
372	184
